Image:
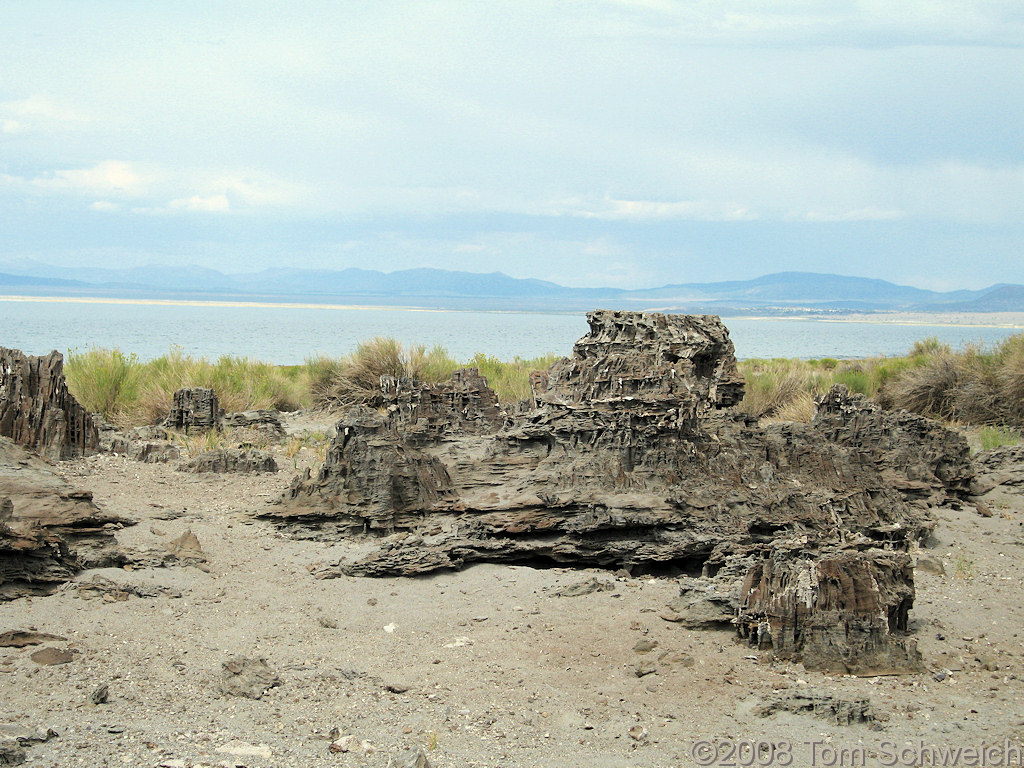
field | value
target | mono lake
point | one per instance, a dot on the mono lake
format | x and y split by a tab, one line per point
289	334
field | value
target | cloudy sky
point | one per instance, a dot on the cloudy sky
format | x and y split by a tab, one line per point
609	142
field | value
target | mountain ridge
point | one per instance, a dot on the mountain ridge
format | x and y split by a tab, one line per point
780	291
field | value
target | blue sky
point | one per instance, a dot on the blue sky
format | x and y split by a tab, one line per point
613	142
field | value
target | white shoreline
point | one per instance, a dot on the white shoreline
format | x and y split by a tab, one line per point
1007	320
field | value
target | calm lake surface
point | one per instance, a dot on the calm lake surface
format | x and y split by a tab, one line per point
289	334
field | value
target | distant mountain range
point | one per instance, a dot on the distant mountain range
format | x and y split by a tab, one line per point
780	293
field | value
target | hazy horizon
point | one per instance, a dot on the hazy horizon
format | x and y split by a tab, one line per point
624	143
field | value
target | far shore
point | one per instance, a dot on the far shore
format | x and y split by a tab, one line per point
1013	320
209	303
955	319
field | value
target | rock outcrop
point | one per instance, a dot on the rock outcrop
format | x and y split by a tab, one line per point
262	422
919	457
224	460
999	468
625	458
842	612
36	409
48	530
193	409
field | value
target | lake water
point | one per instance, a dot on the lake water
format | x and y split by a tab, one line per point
290	334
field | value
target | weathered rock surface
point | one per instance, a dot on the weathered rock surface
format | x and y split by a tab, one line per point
36	409
819	704
919	457
49	531
148	444
231	460
998	467
411	758
111	439
248	678
155	451
264	422
841	612
425	413
701	605
624	460
194	409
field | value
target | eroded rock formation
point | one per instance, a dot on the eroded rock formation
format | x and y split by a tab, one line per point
224	460
920	458
999	468
262	422
48	530
625	459
36	409
194	408
842	612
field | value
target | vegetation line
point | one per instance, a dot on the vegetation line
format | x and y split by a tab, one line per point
972	386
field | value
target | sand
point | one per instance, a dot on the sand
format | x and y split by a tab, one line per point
483	667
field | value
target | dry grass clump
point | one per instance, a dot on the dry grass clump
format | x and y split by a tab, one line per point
127	391
968	387
971	387
780	387
510	379
340	383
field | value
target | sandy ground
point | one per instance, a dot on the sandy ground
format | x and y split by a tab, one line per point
484	667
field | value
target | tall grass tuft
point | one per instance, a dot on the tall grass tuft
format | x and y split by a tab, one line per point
104	381
997	437
127	391
972	387
339	383
778	387
510	379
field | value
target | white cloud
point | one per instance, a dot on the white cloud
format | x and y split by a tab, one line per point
860	214
104	205
650	210
159	188
39	113
865	22
214	204
109	177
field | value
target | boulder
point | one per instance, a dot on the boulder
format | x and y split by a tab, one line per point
157	451
248	678
820	704
38	412
49	531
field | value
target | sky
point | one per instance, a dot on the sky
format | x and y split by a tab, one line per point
627	143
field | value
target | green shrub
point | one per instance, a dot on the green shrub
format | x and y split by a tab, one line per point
510	379
129	392
996	437
105	381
